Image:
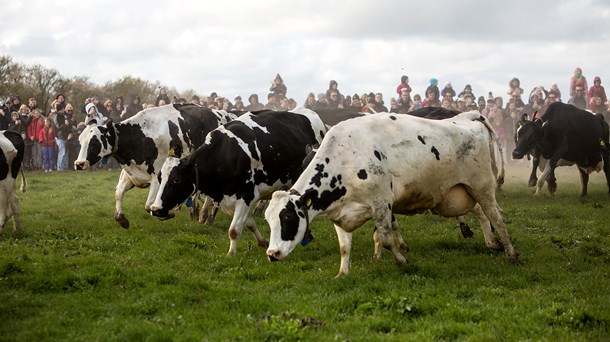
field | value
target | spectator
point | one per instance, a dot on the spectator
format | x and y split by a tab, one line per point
115	113
5	113
379	104
16	125
404	86
93	115
322	102
334	100
254	104
516	99
417	104
108	107
46	138
195	100
72	144
597	90
514	85
499	103
133	108
404	103
61	99
469	103
461	104
369	104
467	92
448	92
32	104
596	105
272	102
578	80
20	124
100	107
278	88
16	102
239	106
33	131
347	102
162	96
541	92
119	104
63	123
446	104
393	105
431	100
356	105
579	99
434	87
555	91
333	85
481	104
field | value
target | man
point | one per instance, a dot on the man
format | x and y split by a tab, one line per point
334	100
579	99
5	113
64	127
254	104
162	96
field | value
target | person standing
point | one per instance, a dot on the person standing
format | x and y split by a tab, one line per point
254	104
63	128
578	80
597	90
133	108
47	141
579	99
33	132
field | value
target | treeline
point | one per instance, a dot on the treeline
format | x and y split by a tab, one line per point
44	84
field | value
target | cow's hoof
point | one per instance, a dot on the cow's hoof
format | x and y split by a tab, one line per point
376	257
532	182
552	188
194	212
495	244
264	244
169	216
124	222
583	198
403	248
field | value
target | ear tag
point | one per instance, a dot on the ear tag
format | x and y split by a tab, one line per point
306	240
104	160
171	152
602	143
189	202
308	203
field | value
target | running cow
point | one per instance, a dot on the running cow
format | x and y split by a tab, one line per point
11	155
369	167
565	135
240	163
141	144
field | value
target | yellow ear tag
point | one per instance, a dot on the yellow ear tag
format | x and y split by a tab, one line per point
171	152
308	203
602	143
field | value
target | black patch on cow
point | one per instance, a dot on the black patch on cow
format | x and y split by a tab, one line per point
3	165
317	178
175	143
94	148
259	176
377	155
464	149
301	214
327	160
289	222
333	182
134	145
436	154
420	138
322	201
362	174
393	117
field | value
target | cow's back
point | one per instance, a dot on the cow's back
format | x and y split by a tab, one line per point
199	121
412	159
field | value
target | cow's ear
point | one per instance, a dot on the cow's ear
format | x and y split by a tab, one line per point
538	123
524	117
175	151
306	199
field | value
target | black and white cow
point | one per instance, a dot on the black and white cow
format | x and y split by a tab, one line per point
142	143
369	167
565	135
241	162
11	155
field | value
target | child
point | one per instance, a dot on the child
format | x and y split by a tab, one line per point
416	102
47	140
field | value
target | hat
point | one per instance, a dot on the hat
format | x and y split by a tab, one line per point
433	81
8	99
237	98
468	87
448	84
597	79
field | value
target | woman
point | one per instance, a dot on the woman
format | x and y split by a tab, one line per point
578	80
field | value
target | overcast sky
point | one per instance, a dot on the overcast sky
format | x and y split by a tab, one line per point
237	47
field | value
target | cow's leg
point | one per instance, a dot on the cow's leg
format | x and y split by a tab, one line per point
464	228
124	185
152	193
584	181
491	241
402	245
491	209
261	241
345	247
260	208
15	209
543	177
208	211
533	179
4	212
383	221
194	209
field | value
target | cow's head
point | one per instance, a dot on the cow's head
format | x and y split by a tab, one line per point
529	134
176	183
96	142
288	219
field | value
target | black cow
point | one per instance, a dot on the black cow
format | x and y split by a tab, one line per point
565	133
12	148
239	163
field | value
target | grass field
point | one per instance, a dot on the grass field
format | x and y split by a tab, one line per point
73	274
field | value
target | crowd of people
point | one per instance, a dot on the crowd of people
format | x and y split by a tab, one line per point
52	138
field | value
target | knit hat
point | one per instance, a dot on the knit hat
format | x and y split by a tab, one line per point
89	106
433	81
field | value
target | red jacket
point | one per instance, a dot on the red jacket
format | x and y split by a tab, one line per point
47	136
36	125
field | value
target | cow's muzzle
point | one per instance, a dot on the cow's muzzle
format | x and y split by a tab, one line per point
274	255
81	165
161	214
518	155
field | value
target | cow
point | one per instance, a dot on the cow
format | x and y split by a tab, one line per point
12	149
141	144
241	162
565	135
370	167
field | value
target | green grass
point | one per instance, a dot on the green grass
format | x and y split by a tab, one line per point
73	274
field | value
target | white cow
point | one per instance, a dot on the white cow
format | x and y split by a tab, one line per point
366	168
11	156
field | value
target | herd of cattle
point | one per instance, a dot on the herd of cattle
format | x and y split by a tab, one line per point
365	167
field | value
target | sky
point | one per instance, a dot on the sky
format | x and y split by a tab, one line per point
237	47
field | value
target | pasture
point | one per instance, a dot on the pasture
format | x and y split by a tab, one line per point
73	274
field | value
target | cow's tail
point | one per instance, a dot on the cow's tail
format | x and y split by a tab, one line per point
494	138
23	182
